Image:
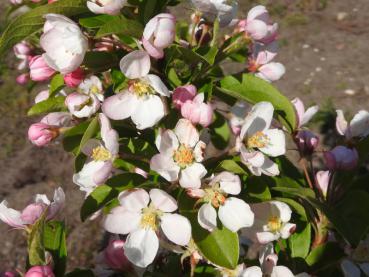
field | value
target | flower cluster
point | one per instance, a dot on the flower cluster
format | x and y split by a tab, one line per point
167	149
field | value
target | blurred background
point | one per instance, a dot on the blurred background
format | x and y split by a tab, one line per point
323	44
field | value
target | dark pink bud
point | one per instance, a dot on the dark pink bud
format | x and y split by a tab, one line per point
115	257
40	271
23	79
182	94
39	70
74	78
42	134
341	158
306	142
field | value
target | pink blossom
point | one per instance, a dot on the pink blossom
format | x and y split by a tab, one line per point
322	179
33	212
303	116
82	105
74	78
197	111
306	142
40	271
41	134
39	70
159	33
114	256
22	49
22	79
341	158
182	94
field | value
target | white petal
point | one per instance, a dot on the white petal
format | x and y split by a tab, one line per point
207	217
121	221
176	228
187	133
359	125
10	216
134	199
350	269
163	201
269	167
109	136
281	271
277	143
308	115
235	214
191	176
253	271
341	123
141	247
165	166
120	106
136	64
157	84
229	182
85	178
150	111
281	209
287	230
57	204
259	119
166	142
266	237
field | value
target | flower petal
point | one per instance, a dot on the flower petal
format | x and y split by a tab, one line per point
136	64
163	201
120	106
158	85
109	136
85	178
308	115
166	142
141	247
230	183
134	199
191	176
187	133
281	271
252	271
350	269
121	221
176	228
207	217
277	143
235	214
359	125
149	112
281	209
10	216
165	166
57	204
287	230
103	173
266	237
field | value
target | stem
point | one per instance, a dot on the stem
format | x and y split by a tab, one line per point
307	176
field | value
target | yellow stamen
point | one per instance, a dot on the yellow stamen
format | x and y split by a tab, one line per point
94	89
100	153
184	156
274	224
258	140
140	88
150	217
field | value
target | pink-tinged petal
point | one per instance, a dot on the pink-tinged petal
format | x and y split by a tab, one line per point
258	12
166	142
269	168
121	221
85	178
350	269
165	166
322	180
287	230
191	176
341	123
282	271
141	247
253	271
266	237
359	125
120	106
155	52
163	201
263	54
149	112
186	133
58	203
176	228
136	64
104	173
258	119
196	193
230	183
300	110
199	151
276	145
207	217
310	112
109	136
271	72
134	199
235	214
10	216
257	29
182	94
57	119
157	84
253	158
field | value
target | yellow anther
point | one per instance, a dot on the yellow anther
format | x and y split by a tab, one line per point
184	156
140	88
100	153
94	89
274	224
258	140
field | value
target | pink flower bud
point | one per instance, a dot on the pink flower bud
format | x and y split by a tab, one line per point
197	111
341	158
22	79
74	78
32	213
322	179
40	271
114	256
306	142
22	49
41	134
182	94
16	2
39	70
159	33
82	105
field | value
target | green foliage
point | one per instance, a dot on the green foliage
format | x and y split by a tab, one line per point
36	247
120	25
53	104
56	85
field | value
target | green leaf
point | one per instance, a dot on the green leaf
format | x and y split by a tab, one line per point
299	242
32	21
55	243
80	273
54	104
91	131
122	26
363	149
299	192
297	207
232	166
328	254
72	138
36	248
105	193
220	132
257	189
98	61
95	21
253	89
56	85
291	176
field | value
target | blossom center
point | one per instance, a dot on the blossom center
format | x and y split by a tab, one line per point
274	224
258	140
94	89
149	219
184	156
100	153
140	88
215	196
